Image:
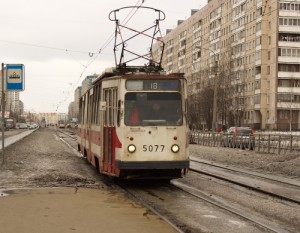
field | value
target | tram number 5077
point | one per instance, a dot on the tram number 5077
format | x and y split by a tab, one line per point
153	148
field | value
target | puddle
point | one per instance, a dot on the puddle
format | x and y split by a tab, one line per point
3	194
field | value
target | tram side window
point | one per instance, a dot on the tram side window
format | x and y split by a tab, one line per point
106	115
80	117
119	113
90	108
114	103
96	102
86	110
110	96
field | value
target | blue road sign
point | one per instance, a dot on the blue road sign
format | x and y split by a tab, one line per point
15	76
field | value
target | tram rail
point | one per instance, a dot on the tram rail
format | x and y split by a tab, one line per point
236	210
278	187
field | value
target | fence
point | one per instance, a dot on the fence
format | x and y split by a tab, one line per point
261	142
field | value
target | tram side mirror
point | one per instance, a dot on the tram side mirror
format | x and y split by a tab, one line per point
102	105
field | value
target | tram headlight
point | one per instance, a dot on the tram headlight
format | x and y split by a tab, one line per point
131	148
175	148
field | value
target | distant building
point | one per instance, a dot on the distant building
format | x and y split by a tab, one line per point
21	108
87	82
77	95
48	118
11	99
72	110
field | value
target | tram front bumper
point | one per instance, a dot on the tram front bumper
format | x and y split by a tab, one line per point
124	165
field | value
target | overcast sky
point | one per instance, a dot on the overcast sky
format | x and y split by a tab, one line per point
55	40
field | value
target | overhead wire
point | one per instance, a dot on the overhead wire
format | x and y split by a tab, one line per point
105	45
107	42
44	46
70	51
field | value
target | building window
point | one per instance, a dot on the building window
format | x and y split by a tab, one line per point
289	67
258	27
289	52
283	114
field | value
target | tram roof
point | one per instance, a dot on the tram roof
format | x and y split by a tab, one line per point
135	72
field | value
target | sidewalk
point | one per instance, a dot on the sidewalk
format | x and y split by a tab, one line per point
13	136
60	210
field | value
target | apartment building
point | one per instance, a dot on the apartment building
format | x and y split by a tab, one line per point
77	95
12	99
87	82
245	55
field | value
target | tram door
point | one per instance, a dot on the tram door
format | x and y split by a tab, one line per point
109	130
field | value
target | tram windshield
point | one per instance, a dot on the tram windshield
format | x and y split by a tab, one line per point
153	108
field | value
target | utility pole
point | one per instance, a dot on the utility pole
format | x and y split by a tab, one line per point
3	110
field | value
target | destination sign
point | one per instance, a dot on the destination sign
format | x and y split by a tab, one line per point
153	85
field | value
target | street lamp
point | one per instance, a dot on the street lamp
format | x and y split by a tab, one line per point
214	113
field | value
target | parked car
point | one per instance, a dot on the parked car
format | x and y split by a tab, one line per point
22	126
241	137
32	126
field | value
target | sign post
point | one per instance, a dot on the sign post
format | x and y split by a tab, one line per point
2	110
14	82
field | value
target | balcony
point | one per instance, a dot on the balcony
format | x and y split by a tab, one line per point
257	91
257	106
294	29
286	13
289	75
288	105
295	90
289	44
236	3
293	60
258	76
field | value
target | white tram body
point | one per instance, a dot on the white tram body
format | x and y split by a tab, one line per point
127	143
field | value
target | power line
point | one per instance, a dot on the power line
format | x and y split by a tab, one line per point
105	45
45	47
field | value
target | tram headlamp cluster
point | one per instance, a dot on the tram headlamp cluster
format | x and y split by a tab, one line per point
175	148
131	148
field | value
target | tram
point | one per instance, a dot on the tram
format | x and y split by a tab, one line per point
120	140
61	123
133	121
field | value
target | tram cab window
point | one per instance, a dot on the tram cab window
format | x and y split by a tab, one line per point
153	108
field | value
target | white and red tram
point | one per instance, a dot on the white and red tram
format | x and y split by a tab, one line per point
134	125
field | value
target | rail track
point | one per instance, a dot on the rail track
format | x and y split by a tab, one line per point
66	132
270	226
278	187
284	189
